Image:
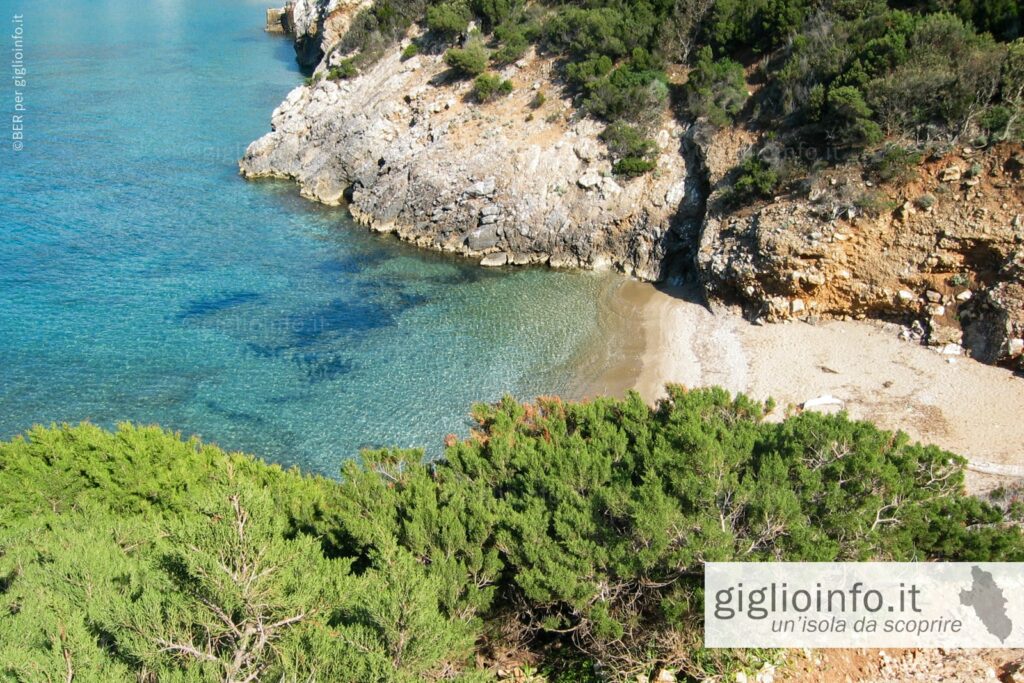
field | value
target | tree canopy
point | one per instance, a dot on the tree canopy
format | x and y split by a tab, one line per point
839	76
571	528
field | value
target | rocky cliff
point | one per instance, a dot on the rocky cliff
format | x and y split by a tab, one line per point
526	180
318	24
505	182
941	252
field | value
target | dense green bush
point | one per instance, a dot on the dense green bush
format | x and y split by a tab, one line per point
624	140
836	78
513	46
889	71
345	69
755	179
635	91
449	19
494	13
488	87
849	119
893	164
1012	91
1004	19
759	24
468	61
715	89
410	51
379	26
585	32
632	151
137	555
633	166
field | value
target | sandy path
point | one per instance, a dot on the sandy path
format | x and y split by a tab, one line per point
956	403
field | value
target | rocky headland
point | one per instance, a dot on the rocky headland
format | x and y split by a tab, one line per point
527	180
504	182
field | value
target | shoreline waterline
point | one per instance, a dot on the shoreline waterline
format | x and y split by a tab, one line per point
667	336
160	287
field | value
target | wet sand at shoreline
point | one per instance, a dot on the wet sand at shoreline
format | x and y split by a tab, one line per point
656	337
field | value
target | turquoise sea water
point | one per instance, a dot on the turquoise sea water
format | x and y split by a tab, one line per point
142	279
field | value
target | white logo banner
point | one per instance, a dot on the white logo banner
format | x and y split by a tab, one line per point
863	604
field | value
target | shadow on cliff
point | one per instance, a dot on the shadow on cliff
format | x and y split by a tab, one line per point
681	275
690	291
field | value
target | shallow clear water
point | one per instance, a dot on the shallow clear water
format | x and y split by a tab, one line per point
142	279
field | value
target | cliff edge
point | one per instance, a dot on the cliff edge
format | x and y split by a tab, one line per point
525	178
510	181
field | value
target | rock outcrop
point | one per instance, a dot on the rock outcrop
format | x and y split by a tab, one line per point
411	153
317	25
942	253
526	180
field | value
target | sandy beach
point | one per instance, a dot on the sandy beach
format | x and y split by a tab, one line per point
957	403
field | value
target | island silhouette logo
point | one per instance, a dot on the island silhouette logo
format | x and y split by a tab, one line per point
988	601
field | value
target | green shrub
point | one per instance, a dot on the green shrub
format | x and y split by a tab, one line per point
995	120
538	100
849	118
949	75
624	140
854	74
410	51
468	61
632	150
755	180
1011	87
761	25
488	87
136	554
377	27
894	164
621	494
636	91
512	49
633	166
715	89
449	19
344	70
584	32
496	12
1002	18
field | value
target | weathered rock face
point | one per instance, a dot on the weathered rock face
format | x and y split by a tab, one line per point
412	156
508	184
948	255
994	327
319	24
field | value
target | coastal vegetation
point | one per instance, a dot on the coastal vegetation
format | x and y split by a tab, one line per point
488	87
571	535
837	77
